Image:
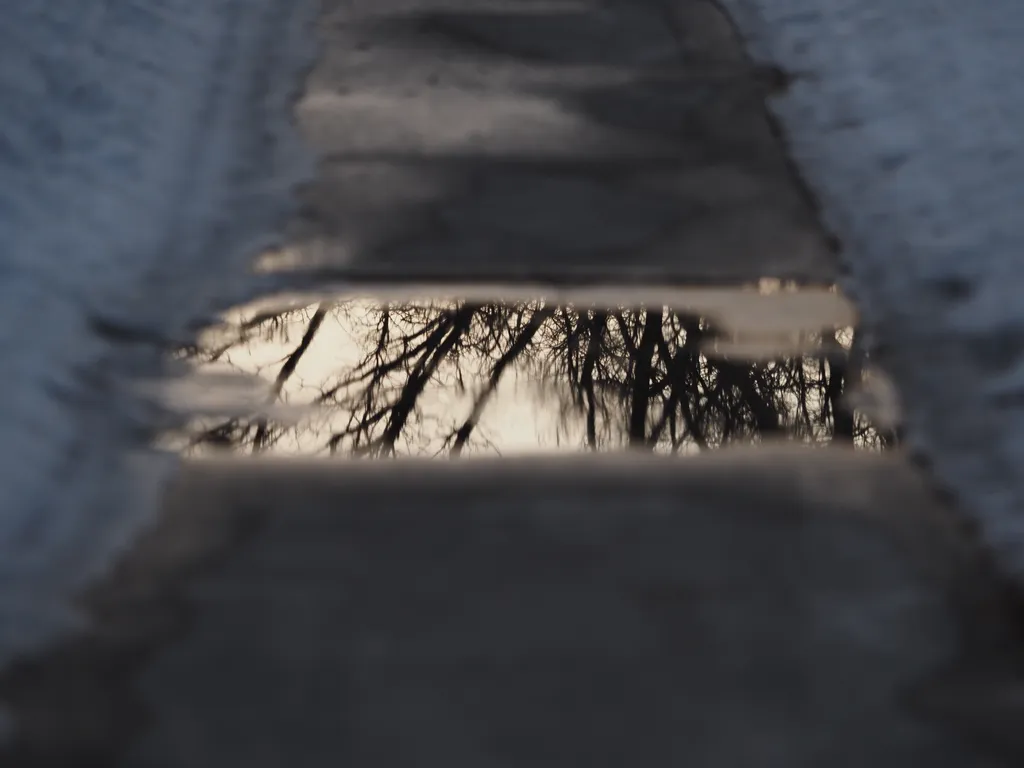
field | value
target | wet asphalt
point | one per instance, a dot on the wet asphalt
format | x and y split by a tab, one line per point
565	451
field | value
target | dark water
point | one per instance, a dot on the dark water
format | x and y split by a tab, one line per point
364	377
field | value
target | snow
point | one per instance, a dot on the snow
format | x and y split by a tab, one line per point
905	120
146	151
146	154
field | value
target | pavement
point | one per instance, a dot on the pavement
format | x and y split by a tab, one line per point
774	605
563	142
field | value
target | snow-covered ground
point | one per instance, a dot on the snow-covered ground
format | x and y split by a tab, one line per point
139	139
146	153
906	120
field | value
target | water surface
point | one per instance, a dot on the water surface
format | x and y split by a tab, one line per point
448	377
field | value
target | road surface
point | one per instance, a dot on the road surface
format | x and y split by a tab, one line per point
771	605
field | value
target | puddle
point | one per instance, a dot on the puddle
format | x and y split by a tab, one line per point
396	375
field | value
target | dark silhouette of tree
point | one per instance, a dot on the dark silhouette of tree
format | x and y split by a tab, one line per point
290	364
647	378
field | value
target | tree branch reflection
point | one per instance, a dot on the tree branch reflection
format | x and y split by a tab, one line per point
422	377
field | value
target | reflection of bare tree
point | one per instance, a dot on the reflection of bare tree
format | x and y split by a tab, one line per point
641	378
290	364
522	338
